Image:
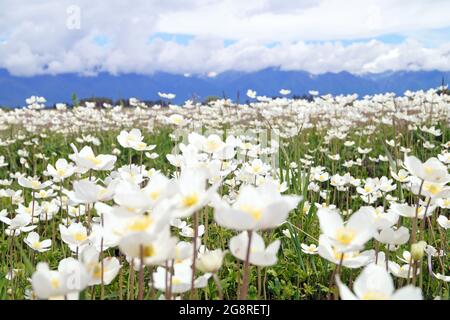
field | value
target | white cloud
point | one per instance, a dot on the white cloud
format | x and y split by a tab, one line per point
308	20
34	38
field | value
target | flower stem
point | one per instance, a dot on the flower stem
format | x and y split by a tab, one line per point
246	267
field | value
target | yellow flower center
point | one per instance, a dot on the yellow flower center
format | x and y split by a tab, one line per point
374	295
97	272
432	188
37	245
149	251
130	137
94	160
176	280
190	200
338	255
212	145
141	145
140	224
55	283
80	236
61	172
428	170
35	184
256	213
154	195
177	119
345	235
256	168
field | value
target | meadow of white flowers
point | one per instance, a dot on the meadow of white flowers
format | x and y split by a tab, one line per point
336	198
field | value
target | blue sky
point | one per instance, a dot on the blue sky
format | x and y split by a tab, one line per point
212	36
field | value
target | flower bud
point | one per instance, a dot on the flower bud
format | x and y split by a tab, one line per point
417	250
211	261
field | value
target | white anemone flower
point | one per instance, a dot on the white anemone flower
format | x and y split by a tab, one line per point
71	277
191	192
443	221
153	248
393	237
210	261
375	283
408	211
87	160
33	183
32	240
432	170
129	139
181	279
309	249
351	259
348	236
75	234
61	170
256	208
381	219
20	223
85	191
260	255
109	265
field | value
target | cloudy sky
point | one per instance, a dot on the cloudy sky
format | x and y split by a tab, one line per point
212	36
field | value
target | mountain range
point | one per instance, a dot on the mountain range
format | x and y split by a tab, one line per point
59	88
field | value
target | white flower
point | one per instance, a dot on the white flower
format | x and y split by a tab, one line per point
309	249
189	232
432	170
381	219
210	261
130	139
85	191
350	236
70	277
61	170
287	233
256	167
260	255
20	223
33	183
394	237
375	283
2	162
75	234
408	211
191	192
181	278
154	248
86	159
109	265
32	240
403	271
353	259
256	208
443	221
177	119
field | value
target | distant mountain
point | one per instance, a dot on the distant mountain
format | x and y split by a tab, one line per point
59	88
